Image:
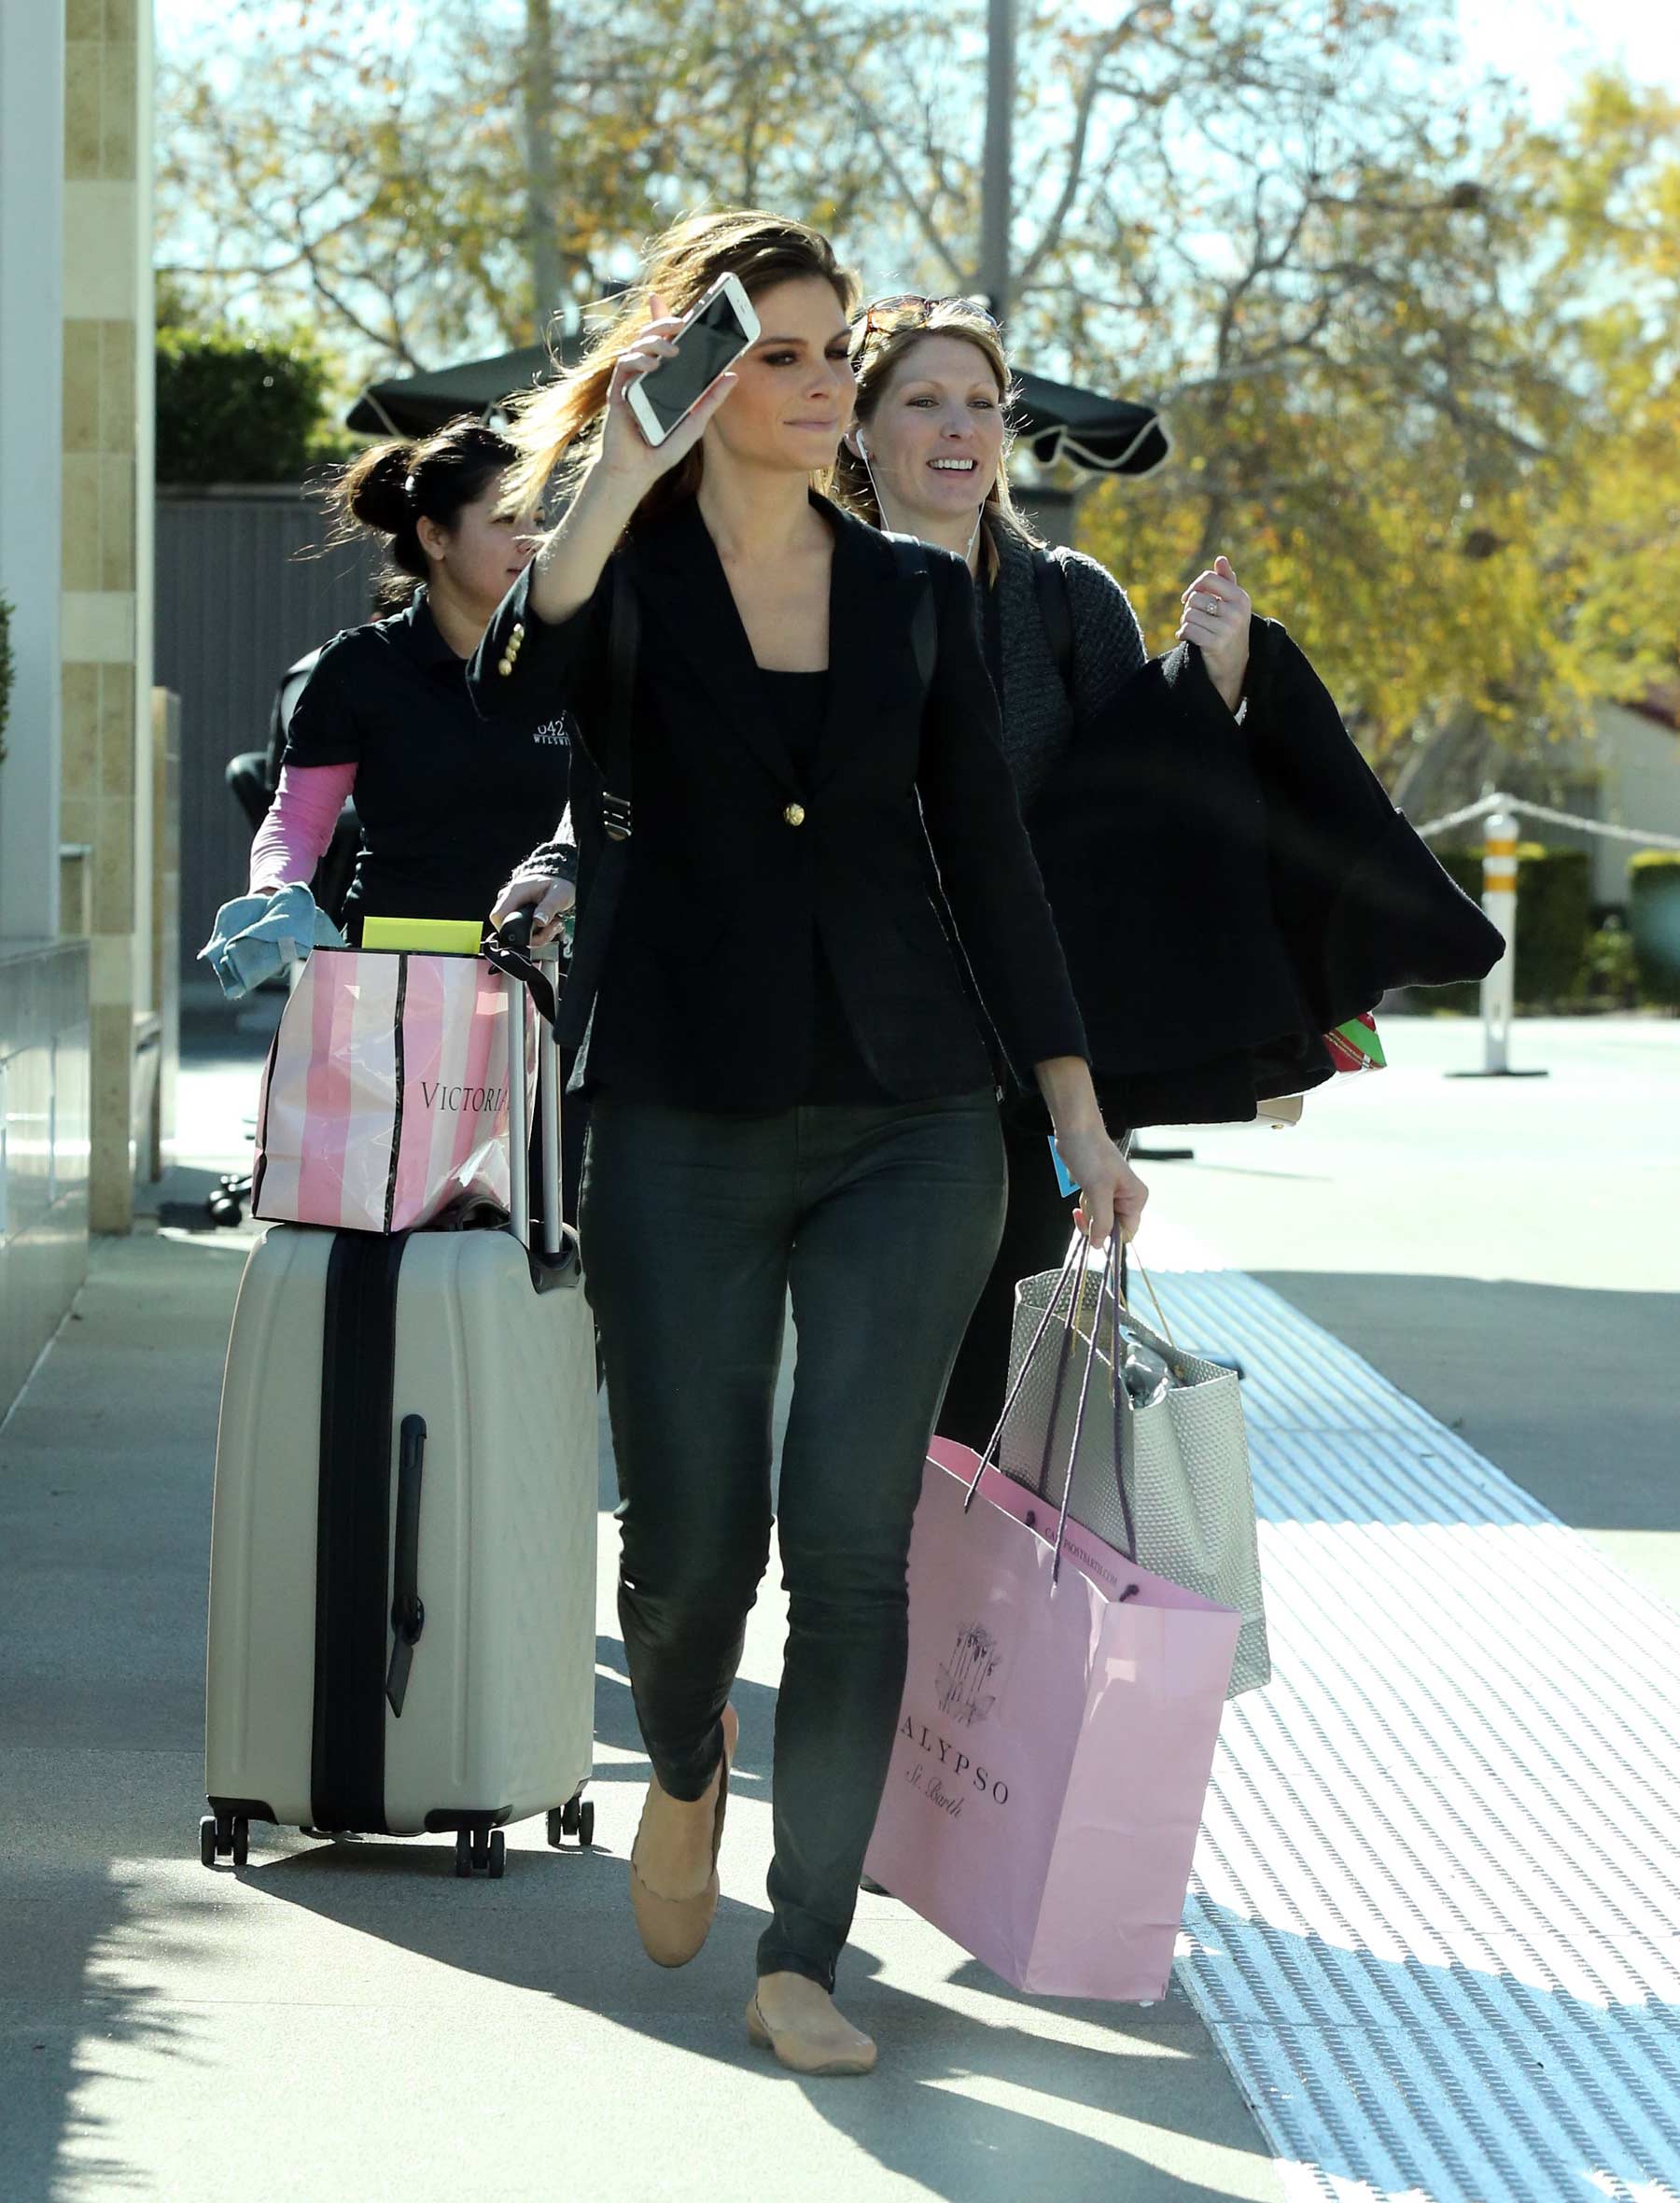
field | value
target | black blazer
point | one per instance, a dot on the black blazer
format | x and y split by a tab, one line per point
739	868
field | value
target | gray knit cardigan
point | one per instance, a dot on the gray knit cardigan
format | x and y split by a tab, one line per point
1038	716
1108	648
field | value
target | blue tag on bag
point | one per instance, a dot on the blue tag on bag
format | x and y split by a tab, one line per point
1062	1179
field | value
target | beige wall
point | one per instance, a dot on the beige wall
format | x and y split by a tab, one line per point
1640	764
107	554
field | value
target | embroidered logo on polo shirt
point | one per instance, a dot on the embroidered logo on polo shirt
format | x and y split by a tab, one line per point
554	730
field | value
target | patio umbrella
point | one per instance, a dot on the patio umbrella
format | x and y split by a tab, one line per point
1055	421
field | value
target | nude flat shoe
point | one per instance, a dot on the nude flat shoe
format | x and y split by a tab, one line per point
841	2048
674	1929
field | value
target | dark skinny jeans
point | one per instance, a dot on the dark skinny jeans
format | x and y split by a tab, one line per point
882	1221
1037	1227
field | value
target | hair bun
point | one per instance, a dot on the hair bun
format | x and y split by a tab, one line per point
379	495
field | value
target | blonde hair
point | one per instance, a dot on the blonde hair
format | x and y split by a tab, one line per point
556	430
875	364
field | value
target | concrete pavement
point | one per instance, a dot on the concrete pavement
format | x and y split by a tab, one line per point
348	2020
1505	1251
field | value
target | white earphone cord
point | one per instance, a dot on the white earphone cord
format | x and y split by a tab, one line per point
881	504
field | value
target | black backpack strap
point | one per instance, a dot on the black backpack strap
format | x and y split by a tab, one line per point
910	556
624	639
1055	612
613	760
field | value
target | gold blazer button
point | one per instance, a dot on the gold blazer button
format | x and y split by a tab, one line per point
795	815
504	667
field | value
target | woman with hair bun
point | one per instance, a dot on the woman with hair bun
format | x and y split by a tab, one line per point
447	802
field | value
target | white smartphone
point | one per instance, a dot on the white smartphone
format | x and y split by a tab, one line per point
711	339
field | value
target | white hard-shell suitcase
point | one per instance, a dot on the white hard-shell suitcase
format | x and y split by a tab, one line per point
403	1572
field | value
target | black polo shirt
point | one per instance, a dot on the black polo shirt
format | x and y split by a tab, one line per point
449	802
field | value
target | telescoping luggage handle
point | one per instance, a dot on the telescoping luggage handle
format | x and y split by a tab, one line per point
512	953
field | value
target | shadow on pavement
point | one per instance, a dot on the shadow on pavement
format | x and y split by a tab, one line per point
104	1515
1571	1393
915	2118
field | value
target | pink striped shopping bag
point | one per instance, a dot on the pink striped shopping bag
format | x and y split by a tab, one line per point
384	1098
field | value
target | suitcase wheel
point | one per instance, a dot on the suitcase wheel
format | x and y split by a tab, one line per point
574	1819
224	1835
480	1851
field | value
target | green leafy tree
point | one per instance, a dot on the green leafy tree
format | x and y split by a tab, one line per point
1416	356
1437	434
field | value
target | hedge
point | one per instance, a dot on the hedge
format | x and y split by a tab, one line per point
1554	925
233	410
1654	921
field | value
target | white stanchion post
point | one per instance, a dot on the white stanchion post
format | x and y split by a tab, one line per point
1499	989
1499	903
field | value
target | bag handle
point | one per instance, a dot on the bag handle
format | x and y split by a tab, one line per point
992	1443
1118	1289
1072	1274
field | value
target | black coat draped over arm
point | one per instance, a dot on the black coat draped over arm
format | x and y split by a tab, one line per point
1226	894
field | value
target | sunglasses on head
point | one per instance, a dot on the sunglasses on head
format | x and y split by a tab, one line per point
908	309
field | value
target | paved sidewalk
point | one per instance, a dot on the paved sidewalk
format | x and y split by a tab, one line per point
349	2021
1506	1251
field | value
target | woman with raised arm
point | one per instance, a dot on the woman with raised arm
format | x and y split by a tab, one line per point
790	1088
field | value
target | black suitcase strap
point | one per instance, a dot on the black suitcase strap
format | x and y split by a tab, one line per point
353	1531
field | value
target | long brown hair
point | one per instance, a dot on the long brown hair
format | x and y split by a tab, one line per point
556	430
879	350
390	488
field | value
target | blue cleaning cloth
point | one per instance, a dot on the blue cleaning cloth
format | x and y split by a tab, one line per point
257	937
1062	1176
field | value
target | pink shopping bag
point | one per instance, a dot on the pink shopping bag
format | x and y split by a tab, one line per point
384	1098
1054	1745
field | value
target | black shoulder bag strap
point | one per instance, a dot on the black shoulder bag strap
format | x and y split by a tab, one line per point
1055	614
910	556
594	922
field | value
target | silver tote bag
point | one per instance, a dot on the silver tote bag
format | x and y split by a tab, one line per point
1175	1472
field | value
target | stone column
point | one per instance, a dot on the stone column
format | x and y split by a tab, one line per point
107	564
31	76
